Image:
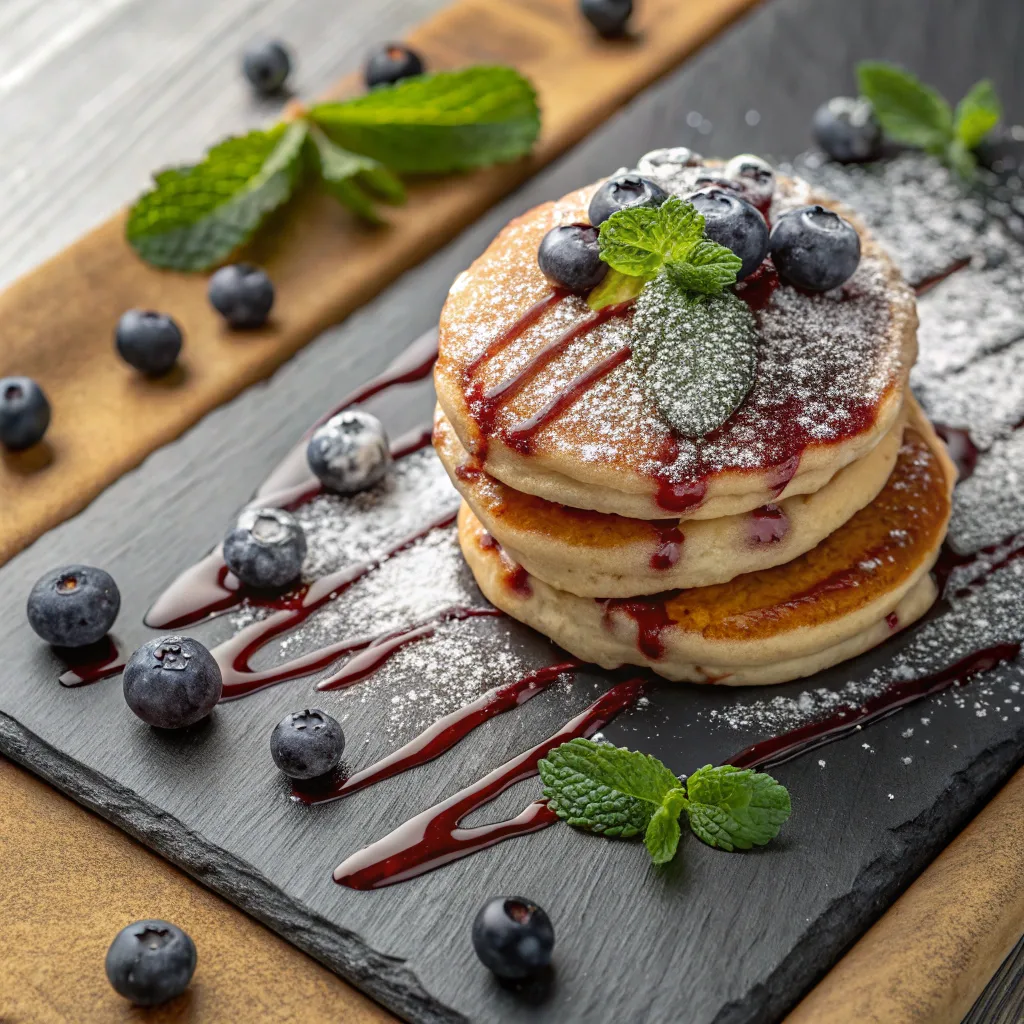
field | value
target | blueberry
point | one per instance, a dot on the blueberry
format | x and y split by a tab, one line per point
267	65
151	962
265	548
709	177
391	64
847	129
623	192
734	223
242	294
813	248
24	413
151	342
756	176
513	937
172	682
349	452
662	162
609	17
570	258
73	606
307	744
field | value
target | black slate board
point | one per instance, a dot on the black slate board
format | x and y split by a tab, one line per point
713	937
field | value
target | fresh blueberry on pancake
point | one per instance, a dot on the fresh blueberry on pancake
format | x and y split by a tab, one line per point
756	176
814	248
734	223
569	257
623	192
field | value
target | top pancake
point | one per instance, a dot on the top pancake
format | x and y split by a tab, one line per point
830	379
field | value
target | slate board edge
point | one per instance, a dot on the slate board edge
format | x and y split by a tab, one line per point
385	978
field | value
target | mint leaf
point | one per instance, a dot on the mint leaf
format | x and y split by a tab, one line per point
637	775
908	110
354	180
663	832
977	114
639	241
734	808
709	269
196	217
434	124
616	288
961	159
696	355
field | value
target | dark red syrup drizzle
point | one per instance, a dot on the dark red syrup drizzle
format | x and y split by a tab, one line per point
434	838
962	449
670	546
92	663
756	291
1008	551
676	495
768	525
651	620
516	330
516	578
930	282
892	620
444	734
849	717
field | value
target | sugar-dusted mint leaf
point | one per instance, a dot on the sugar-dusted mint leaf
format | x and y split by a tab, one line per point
434	124
663	832
908	110
735	808
977	114
696	355
195	217
640	240
615	289
708	269
355	180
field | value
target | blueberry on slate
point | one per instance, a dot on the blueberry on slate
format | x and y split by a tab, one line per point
24	413
570	258
391	64
151	962
242	294
151	342
623	192
734	223
349	452
267	65
307	744
172	682
265	548
813	248
847	129
73	606
513	937
756	176
609	17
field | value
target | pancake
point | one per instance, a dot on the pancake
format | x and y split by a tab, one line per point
866	580
580	431
601	554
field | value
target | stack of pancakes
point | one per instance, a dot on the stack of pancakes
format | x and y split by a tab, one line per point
797	535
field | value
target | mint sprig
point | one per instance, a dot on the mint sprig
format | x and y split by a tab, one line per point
913	113
196	216
617	792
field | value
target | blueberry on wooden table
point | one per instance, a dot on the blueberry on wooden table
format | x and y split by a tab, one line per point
513	937
307	744
609	17
73	606
149	341
172	682
570	258
265	548
814	248
623	192
242	294
350	452
267	65
390	64
847	129
151	962
24	413
734	223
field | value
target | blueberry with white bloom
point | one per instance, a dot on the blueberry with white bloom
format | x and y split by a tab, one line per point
734	223
151	962
265	548
513	937
756	176
624	192
267	65
350	452
660	163
570	258
24	413
814	248
307	744
73	606
172	682
242	294
609	17
847	129
149	341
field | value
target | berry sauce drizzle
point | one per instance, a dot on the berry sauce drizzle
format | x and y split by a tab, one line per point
670	546
651	619
434	838
444	734
768	525
962	449
92	663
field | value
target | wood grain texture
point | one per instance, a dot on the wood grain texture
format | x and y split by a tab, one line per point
58	320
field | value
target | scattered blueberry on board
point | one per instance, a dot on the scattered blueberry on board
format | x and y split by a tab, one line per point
149	341
813	248
151	962
734	223
623	192
847	130
513	937
242	294
569	257
390	64
24	413
265	548
307	744
267	65
609	17
73	606
172	682
350	452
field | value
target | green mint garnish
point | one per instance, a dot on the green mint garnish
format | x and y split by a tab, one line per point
617	792
696	354
915	114
195	217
